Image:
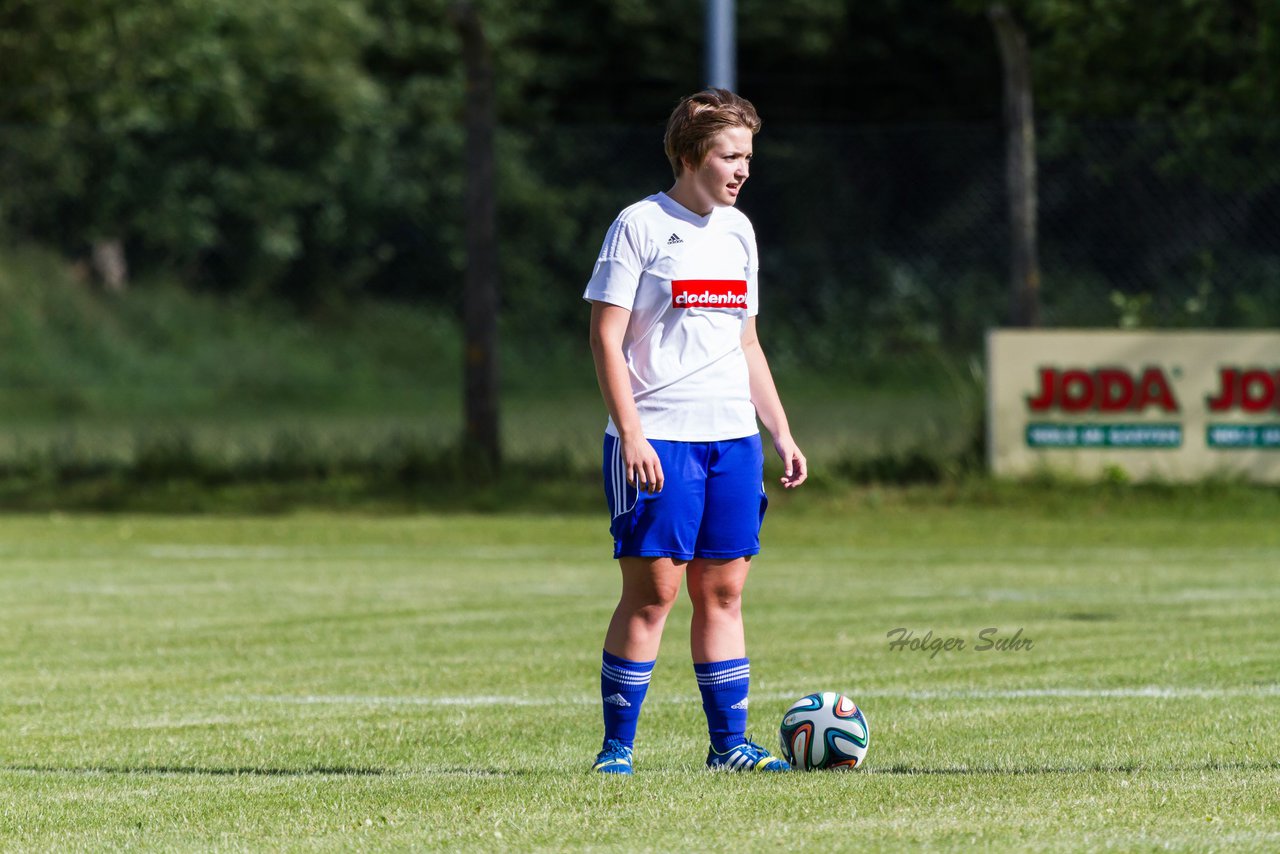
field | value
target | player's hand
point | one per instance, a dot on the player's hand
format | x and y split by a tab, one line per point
644	469
795	468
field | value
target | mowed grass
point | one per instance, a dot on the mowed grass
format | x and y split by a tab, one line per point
348	682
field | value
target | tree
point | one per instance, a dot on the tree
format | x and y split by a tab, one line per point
1020	167
223	134
480	301
1203	67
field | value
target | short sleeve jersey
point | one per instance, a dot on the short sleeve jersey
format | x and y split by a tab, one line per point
690	283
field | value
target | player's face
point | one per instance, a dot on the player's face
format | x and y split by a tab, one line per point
717	182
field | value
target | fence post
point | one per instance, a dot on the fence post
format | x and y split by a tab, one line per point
1020	167
480	302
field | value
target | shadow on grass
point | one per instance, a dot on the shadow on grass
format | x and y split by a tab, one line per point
311	771
176	476
248	771
1098	768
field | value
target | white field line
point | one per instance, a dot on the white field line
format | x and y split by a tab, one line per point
1156	692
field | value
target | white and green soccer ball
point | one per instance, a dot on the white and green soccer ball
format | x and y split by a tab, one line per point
825	730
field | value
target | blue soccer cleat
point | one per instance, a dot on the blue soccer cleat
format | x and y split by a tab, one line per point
614	758
747	756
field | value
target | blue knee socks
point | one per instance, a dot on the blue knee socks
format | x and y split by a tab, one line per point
623	685
724	686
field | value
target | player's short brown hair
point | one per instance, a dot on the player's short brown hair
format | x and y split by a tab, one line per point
697	119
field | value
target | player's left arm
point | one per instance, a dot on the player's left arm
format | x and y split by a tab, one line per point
764	395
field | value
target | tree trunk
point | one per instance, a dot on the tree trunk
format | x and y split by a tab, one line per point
480	309
1020	167
109	265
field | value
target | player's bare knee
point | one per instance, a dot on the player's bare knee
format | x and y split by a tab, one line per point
655	600
719	600
652	616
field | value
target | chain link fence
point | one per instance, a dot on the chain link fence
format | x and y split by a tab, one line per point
882	240
881	246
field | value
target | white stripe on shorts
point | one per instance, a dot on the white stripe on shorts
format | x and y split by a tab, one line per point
620	483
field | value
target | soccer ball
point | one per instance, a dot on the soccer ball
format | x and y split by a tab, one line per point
824	730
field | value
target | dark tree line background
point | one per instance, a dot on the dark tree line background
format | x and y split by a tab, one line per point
313	151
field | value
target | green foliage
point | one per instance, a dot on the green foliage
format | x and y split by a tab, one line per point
309	152
162	351
312	148
227	132
1203	67
160	398
1194	59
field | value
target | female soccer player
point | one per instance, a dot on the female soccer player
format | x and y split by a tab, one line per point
673	333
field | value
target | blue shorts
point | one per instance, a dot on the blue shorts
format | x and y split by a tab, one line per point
711	504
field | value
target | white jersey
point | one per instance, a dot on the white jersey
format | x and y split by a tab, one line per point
690	283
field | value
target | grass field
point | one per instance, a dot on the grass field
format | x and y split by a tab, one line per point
568	423
348	682
405	457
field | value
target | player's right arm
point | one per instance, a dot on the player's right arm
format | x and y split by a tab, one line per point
608	327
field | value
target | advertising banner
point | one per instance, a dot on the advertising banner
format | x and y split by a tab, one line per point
1173	406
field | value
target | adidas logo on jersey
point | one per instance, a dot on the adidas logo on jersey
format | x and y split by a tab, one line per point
741	704
675	238
617	700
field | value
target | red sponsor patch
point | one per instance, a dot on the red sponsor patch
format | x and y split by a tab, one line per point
709	293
